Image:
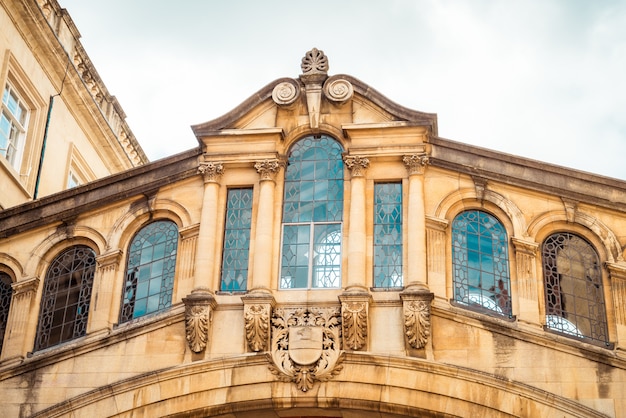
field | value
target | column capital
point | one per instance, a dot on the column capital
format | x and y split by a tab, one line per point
416	163
268	169
356	164
25	286
212	171
524	246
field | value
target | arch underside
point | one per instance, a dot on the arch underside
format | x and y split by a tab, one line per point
367	385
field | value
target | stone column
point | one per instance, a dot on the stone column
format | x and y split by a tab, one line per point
185	263
205	250
416	219
617	274
526	262
416	301
263	242
357	225
22	321
436	255
102	316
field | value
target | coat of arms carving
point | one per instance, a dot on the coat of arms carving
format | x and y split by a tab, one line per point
306	345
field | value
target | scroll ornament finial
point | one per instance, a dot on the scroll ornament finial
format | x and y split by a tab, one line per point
306	345
267	169
212	171
314	62
416	163
356	164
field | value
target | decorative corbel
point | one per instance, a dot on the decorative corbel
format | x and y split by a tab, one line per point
571	207
199	306
354	316
257	312
480	186
416	300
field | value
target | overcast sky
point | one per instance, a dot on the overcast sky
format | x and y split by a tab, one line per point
543	79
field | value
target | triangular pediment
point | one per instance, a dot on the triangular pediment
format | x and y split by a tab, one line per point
312	103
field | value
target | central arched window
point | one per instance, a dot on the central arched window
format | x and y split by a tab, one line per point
312	215
66	296
480	262
573	288
150	270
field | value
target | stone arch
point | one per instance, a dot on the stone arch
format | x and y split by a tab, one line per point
303	131
550	220
368	384
11	266
468	197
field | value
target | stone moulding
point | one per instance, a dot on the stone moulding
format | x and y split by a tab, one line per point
306	345
416	301
199	306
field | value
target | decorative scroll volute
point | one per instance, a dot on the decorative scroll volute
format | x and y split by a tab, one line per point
306	345
356	164
212	171
354	316
416	300
199	306
416	163
257	312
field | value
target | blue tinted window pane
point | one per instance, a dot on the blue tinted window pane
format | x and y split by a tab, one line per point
312	208
480	262
236	240
150	270
388	235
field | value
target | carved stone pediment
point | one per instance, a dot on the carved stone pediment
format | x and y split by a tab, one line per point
306	345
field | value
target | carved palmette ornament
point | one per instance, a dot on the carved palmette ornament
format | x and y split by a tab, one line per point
257	320
199	306
354	320
306	345
417	322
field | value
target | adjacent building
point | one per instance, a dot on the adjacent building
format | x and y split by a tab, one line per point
322	252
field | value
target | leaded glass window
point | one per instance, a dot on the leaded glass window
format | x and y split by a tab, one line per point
480	262
13	122
236	240
388	235
312	215
150	270
573	287
66	296
6	292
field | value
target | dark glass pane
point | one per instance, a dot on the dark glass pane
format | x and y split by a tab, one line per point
237	240
66	296
480	262
388	235
573	287
6	293
150	270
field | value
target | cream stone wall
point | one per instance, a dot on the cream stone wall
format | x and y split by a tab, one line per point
385	352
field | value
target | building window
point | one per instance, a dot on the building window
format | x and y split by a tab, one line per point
66	295
13	122
480	262
72	180
236	240
573	288
312	215
388	235
150	270
6	292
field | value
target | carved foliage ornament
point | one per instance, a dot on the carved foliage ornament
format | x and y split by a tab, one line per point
416	163
354	321
198	313
257	319
417	322
212	171
306	345
314	62
267	169
356	164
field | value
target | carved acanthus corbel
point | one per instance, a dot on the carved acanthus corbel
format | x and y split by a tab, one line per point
199	306
354	318
416	300
257	312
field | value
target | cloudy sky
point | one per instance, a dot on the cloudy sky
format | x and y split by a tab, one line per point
543	79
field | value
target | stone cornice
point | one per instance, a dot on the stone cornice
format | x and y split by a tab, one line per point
73	202
535	175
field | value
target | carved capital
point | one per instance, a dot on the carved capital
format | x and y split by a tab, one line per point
212	171
25	287
257	311
267	169
354	318
199	306
416	300
109	261
356	164
416	163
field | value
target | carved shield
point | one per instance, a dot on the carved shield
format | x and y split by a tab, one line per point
305	344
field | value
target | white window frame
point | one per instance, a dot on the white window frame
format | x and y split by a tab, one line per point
17	126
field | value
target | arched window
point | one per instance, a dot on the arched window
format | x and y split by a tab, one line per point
480	262
573	287
312	215
6	292
150	270
66	295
